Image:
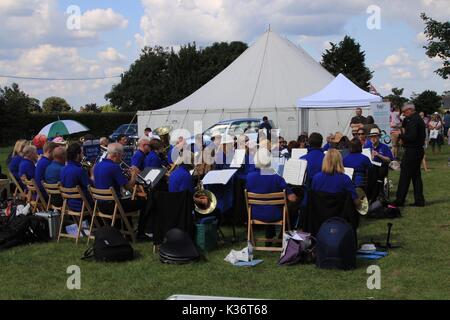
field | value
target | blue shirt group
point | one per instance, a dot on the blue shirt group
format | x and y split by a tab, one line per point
41	166
14	166
333	183
108	173
72	175
360	163
27	168
153	160
181	180
314	157
265	181
384	151
53	172
138	160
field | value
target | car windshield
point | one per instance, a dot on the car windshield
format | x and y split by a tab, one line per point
220	128
126	129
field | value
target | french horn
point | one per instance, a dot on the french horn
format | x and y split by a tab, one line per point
364	209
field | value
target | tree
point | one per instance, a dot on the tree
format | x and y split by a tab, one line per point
108	108
55	104
161	77
428	102
90	107
347	58
396	98
15	106
438	37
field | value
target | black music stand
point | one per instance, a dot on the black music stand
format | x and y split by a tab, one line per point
150	178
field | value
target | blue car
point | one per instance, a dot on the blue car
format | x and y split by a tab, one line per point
129	130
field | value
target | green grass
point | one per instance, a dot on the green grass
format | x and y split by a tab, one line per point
417	270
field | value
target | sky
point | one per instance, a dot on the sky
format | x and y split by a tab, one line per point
99	38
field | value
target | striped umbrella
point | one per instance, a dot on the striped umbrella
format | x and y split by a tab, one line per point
62	128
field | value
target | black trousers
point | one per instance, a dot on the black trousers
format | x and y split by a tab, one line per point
375	181
128	205
410	171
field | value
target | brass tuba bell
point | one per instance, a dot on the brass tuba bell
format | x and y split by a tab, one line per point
211	200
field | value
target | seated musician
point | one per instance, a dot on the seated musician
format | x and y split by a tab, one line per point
332	178
249	164
53	171
107	174
225	153
27	165
314	157
383	155
138	159
73	174
16	158
153	159
267	181
42	165
122	139
104	141
175	149
359	162
181	179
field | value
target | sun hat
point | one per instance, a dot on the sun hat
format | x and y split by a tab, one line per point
374	132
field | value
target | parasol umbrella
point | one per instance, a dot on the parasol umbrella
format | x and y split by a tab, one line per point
62	128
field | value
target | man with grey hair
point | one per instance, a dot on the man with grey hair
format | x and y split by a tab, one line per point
413	140
107	174
138	159
27	166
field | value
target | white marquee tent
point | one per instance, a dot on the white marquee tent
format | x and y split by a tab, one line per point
267	79
330	109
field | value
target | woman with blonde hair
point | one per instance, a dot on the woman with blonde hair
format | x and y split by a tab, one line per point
17	156
332	179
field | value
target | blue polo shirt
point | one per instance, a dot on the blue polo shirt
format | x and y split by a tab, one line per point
39	174
138	160
109	174
14	166
53	172
264	182
384	151
367	144
181	180
336	183
27	168
169	154
72	175
153	160
326	147
314	157
360	163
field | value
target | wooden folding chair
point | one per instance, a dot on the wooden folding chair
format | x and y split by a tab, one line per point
138	192
52	190
18	191
34	195
274	199
77	216
118	212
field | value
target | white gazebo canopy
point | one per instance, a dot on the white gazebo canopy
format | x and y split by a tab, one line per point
339	93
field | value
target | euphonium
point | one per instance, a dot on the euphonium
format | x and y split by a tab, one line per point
203	194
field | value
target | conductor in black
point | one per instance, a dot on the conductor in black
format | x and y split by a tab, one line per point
413	140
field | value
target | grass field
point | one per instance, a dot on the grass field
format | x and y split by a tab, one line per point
417	270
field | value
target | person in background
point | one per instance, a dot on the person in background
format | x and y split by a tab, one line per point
27	167
42	165
73	174
358	121
122	139
302	141
396	125
413	140
354	133
225	154
446	121
16	158
266	127
359	162
436	138
370	124
329	143
104	141
153	159
426	120
292	145
53	171
138	159
365	143
314	157
148	133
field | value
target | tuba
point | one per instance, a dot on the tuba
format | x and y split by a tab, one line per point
364	209
163	133
202	194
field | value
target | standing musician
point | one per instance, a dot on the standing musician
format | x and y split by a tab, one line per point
107	174
73	174
138	159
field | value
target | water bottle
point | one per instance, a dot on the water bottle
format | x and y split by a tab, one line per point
250	250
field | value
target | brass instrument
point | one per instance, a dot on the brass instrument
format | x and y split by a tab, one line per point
364	209
163	133
86	164
202	194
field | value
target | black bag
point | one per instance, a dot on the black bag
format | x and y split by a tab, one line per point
109	245
23	230
336	245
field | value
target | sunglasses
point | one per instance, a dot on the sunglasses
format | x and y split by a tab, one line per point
361	134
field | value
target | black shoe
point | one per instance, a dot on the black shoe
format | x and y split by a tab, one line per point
417	204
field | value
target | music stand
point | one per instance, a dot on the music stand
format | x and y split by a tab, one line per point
151	176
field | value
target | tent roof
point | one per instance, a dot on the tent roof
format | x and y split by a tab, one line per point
273	72
341	92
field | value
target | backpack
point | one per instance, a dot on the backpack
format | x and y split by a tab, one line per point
109	245
297	247
336	245
23	230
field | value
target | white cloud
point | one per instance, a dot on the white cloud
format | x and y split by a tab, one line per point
400	73
111	55
400	58
421	38
102	20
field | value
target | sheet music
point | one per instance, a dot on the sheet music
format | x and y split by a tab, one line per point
349	172
294	171
152	175
367	153
218	176
298	153
238	159
192	171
